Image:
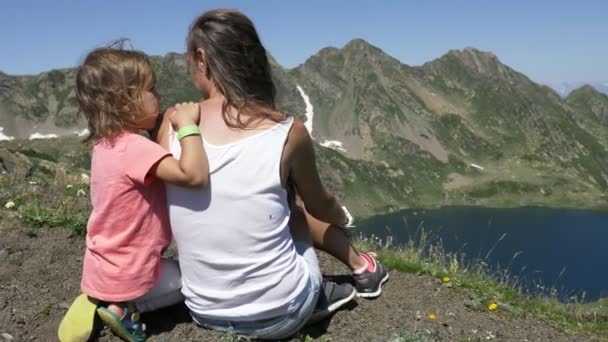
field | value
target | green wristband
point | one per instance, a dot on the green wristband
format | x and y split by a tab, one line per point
188	130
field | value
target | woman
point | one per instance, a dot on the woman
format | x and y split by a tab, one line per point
245	249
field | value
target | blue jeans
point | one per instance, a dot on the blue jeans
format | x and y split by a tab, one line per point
282	326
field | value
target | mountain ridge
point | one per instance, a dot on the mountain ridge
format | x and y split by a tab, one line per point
461	129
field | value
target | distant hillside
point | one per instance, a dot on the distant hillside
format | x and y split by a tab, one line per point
565	88
591	109
46	103
461	129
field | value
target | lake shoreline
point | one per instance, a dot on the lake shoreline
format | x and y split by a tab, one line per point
544	248
603	209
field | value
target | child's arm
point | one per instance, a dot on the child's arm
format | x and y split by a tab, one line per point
192	169
319	202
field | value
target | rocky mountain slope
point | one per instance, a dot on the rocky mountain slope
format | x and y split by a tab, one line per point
461	129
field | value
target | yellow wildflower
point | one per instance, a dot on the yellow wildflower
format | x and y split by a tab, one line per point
446	279
492	306
432	316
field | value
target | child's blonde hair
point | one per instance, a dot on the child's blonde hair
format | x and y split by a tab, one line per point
109	87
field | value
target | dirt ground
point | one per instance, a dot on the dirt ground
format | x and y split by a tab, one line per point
40	273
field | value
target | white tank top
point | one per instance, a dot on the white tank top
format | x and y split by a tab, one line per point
236	254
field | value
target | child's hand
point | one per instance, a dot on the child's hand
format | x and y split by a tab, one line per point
185	114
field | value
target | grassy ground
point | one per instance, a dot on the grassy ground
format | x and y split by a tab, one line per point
490	290
65	204
369	188
40	202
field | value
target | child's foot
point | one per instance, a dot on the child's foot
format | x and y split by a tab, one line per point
369	282
116	309
127	327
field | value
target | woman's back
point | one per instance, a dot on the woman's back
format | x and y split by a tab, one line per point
237	256
216	131
240	267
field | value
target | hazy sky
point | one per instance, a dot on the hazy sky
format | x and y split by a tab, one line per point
550	41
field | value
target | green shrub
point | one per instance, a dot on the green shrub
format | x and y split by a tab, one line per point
63	215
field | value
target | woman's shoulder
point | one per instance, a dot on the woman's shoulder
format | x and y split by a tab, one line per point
299	133
298	140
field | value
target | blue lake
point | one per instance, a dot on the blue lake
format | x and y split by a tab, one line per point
565	249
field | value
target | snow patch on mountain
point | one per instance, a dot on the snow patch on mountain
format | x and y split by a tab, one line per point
4	136
309	110
333	144
42	136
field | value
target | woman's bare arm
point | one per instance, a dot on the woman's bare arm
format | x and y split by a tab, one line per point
319	202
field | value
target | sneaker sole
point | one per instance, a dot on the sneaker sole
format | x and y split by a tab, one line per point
319	316
335	306
377	292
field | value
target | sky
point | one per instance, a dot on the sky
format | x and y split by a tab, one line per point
550	41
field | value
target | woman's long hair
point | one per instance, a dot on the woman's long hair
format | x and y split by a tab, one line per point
237	64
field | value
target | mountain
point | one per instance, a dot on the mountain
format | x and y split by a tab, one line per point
517	117
591	107
565	88
461	129
46	103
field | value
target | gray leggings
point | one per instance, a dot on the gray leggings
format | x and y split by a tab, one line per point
167	290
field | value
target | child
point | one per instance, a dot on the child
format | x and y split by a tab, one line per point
128	229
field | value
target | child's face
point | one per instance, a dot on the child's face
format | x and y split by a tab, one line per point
150	108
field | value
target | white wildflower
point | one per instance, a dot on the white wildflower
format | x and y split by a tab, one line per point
81	192
9	205
69	186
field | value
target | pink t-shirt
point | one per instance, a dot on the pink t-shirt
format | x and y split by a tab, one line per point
129	228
